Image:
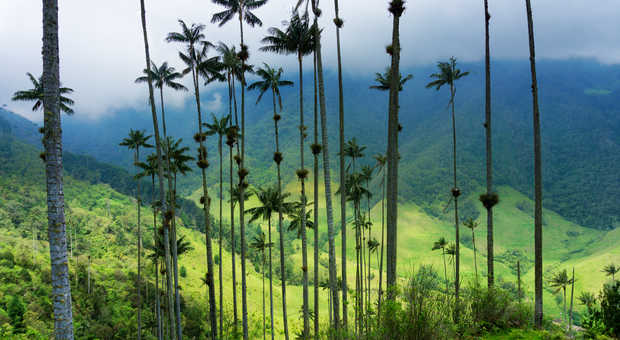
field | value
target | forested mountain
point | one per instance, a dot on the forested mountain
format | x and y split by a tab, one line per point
580	131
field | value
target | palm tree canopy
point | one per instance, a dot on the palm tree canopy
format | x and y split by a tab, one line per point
234	7
137	139
271	200
177	154
560	280
470	223
611	269
217	126
297	37
231	62
270	81
447	75
383	80
354	186
191	35
149	168
366	172
259	243
295	215
35	95
353	150
440	244
373	245
163	75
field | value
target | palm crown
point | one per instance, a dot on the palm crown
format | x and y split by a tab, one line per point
611	270
163	75
217	126
270	81
137	139
36	95
448	74
383	80
560	280
233	7
271	201
297	37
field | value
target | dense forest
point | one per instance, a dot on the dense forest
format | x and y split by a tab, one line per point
308	209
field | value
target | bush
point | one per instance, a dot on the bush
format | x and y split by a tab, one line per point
183	271
610	307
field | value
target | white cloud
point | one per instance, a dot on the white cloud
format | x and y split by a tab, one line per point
102	50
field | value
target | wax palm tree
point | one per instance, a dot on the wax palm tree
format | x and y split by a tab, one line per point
243	9
260	245
442	244
448	75
383	80
396	8
37	92
560	281
380	166
149	169
163	76
52	142
538	272
451	252
354	151
297	38
296	219
611	270
160	171
367	172
316	149
219	127
490	198
472	225
271	201
333	279
198	64
136	140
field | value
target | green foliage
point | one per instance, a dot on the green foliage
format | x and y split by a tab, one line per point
183	271
15	311
610	307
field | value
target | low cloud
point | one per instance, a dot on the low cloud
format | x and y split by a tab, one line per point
102	51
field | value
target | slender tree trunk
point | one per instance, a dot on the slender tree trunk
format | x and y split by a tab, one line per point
445	268
280	217
570	313
160	334
206	207
139	284
538	232
343	200
219	149
487	126
163	114
232	207
52	141
244	297
264	321
456	192
333	280
270	284
304	241
564	309
316	206
392	152
473	240
380	293
160	171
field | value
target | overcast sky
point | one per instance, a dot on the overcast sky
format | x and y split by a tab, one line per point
102	51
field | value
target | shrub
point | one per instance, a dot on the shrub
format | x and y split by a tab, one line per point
610	307
183	271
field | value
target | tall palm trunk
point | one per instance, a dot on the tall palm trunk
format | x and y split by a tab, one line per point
396	7
304	242
206	207
244	296
219	149
263	272
56	232
445	268
333	281
538	232
139	284
343	200
232	90
380	293
487	125
277	141
160	171
473	240
160	335
270	284
316	203
163	114
368	248
455	194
